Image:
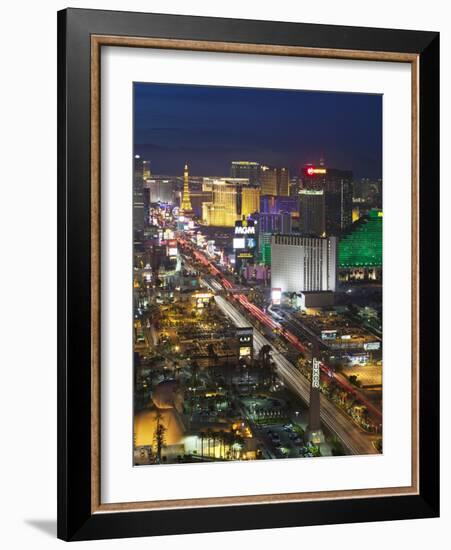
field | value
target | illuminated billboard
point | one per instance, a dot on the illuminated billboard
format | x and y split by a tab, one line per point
315	170
245	255
244	230
202	299
172	249
370	346
251	242
315	373
245	227
276	296
245	351
239	242
245	341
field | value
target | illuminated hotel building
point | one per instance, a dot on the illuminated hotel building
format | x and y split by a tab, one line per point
360	249
312	212
146	170
303	264
283	182
338	190
222	211
268	180
268	225
245	169
160	189
138	194
274	181
269	204
275	223
264	243
198	198
250	199
231	199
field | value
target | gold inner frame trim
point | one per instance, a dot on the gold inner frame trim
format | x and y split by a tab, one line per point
97	41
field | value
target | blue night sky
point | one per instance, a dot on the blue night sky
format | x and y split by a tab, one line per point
208	127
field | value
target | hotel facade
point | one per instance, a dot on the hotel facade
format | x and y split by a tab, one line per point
303	264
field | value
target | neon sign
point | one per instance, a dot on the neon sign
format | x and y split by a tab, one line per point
315	373
313	171
276	296
243	230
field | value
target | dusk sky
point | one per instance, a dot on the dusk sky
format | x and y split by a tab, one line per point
208	127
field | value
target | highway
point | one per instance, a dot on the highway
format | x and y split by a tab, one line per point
297	328
292	335
355	440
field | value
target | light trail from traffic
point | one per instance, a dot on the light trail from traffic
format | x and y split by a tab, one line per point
269	322
353	438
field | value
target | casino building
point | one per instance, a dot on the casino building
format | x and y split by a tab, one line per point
337	187
303	264
360	249
231	199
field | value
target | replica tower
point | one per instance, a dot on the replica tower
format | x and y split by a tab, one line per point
186	208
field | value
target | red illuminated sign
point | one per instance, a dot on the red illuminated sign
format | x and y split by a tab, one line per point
313	171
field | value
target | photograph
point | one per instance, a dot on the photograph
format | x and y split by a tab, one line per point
257	274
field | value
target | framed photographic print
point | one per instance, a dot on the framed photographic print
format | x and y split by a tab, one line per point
248	274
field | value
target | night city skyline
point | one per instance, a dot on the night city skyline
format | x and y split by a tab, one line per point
257	274
210	126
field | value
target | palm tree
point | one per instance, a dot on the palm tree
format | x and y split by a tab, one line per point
176	369
237	444
265	354
228	440
194	373
209	434
201	436
221	443
213	437
159	435
265	360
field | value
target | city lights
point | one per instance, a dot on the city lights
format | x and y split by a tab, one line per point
257	303
311	171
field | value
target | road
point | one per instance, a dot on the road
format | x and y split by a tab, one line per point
295	335
300	330
355	440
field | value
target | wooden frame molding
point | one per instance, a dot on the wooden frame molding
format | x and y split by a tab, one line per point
97	41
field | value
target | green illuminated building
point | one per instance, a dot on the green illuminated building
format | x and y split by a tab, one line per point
360	249
265	248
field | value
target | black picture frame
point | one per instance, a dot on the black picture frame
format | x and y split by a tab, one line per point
76	521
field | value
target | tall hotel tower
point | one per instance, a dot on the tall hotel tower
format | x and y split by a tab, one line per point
303	264
138	194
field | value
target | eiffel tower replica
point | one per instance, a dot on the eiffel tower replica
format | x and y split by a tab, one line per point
186	208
